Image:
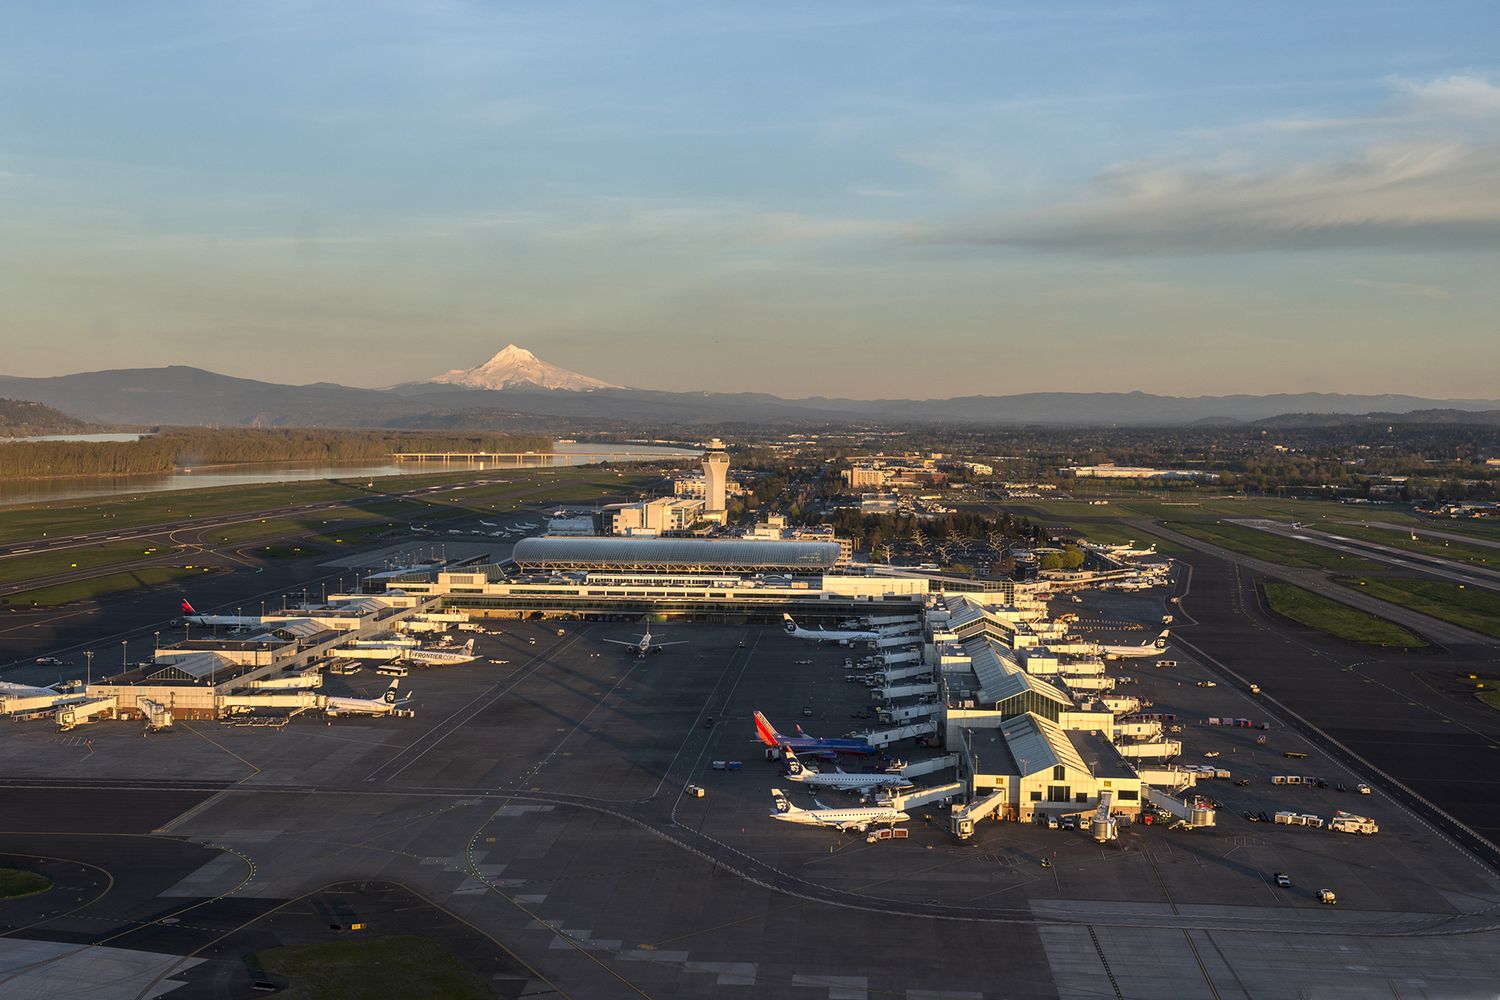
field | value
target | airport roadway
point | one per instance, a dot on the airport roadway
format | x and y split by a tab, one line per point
1316	580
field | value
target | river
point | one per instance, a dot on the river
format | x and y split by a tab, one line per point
41	490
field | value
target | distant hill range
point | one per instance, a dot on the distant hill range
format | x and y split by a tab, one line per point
25	418
515	387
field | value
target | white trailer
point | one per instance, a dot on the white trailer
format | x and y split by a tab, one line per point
1344	822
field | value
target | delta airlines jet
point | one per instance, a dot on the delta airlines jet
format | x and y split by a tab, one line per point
811	746
192	616
643	644
841	636
859	818
1153	648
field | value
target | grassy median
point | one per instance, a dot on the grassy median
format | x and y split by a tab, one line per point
102	586
1275	548
1466	606
15	882
1336	619
378	968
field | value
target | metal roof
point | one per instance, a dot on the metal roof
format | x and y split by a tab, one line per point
198	665
1000	677
675	553
1037	744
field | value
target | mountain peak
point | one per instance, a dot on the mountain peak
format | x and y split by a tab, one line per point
515	367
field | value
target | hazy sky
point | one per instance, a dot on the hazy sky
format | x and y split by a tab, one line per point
864	198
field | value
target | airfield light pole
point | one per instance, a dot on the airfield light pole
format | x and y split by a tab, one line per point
88	677
155	645
124	655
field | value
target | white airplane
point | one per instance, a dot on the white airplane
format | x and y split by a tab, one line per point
811	776
1145	649
384	705
841	636
643	644
859	818
193	617
463	654
487	524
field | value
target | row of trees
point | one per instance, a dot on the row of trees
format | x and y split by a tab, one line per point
171	449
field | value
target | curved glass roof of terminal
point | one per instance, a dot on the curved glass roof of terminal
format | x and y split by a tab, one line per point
675	553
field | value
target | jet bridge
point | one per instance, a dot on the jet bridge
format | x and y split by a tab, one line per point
929	766
965	817
81	712
1153	750
885	737
1105	828
158	716
889	675
908	713
1192	814
896	691
927	796
898	642
238	704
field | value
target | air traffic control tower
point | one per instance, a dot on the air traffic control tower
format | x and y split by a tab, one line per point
715	470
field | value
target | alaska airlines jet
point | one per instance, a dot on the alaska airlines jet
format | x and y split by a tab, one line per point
806	774
858	818
384	705
643	644
1153	648
840	636
812	746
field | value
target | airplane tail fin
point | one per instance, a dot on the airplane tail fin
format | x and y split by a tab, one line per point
469	646
799	731
791	624
1161	640
767	732
783	804
390	692
187	608
793	765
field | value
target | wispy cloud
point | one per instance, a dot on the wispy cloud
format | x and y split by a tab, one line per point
1409	197
1405	289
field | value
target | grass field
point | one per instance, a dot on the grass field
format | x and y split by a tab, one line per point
14	882
101	586
1275	548
1477	555
380	968
1470	607
1326	615
83	559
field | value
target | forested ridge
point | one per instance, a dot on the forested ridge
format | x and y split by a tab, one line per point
23	418
192	447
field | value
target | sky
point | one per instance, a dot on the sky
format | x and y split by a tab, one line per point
868	199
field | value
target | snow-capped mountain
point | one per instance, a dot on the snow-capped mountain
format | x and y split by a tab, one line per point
516	367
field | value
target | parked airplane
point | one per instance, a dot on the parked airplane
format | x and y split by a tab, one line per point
463	654
487	524
192	617
1152	648
643	644
841	636
859	818
384	705
806	774
811	746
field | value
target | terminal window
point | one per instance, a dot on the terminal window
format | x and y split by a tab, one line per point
1036	796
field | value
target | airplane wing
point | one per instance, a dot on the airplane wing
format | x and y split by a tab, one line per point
659	645
622	642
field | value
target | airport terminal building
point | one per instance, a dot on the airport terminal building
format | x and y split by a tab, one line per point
695	577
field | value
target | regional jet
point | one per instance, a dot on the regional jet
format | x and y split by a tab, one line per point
643	645
859	818
842	637
811	746
384	705
806	774
1153	648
